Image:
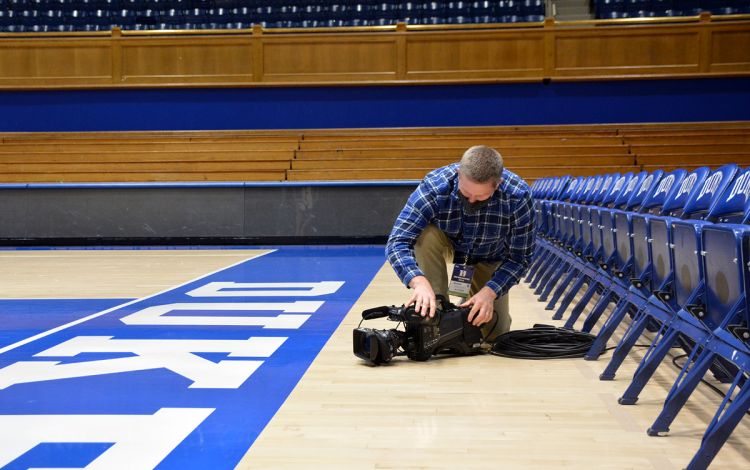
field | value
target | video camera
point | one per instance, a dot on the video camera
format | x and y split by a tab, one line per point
448	332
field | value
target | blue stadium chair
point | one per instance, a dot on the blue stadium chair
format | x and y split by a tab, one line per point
727	253
172	18
549	214
7	20
552	260
195	18
687	7
617	244
665	299
600	257
716	320
507	11
99	20
643	274
457	12
610	9
241	14
722	261
145	20
647	203
29	19
543	206
718	7
682	287
432	12
601	192
124	18
545	263
390	11
53	20
532	10
661	8
570	232
410	13
482	11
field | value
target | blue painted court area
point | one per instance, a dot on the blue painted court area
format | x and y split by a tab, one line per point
21	319
184	379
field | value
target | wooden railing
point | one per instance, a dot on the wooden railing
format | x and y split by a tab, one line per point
363	154
701	46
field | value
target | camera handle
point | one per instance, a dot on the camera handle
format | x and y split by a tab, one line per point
445	304
377	312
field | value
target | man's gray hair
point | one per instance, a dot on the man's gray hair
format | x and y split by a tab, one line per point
482	164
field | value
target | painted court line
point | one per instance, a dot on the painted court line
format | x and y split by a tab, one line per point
104	312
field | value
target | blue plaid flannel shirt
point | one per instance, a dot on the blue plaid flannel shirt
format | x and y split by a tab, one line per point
501	232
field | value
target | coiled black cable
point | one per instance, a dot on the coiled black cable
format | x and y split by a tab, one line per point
542	342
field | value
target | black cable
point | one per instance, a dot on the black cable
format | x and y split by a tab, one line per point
543	342
710	385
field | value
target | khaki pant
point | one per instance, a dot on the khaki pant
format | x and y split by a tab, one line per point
433	252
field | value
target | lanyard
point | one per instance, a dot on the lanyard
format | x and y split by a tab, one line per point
467	243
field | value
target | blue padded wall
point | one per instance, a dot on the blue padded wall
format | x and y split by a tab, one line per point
376	106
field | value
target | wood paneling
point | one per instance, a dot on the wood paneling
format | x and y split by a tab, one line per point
730	50
397	55
337	58
482	55
662	50
56	62
226	60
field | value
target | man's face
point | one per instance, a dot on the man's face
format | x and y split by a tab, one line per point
476	192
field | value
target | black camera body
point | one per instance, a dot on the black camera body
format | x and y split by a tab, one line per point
449	331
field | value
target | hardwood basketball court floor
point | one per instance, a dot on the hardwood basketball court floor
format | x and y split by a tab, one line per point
242	358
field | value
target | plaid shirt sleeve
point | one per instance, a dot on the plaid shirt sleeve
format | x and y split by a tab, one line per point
414	217
520	248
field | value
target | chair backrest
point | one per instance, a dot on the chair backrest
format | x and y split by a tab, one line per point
541	188
558	188
616	188
549	192
572	189
583	189
535	187
688	264
668	185
588	189
647	186
714	186
723	266
549	188
630	188
592	196
732	206
688	189
605	188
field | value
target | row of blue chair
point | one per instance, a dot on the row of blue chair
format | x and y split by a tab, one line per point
613	9
64	15
671	251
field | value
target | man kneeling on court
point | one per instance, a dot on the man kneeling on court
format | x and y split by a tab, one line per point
478	215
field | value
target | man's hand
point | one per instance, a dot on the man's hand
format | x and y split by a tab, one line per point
423	297
482	305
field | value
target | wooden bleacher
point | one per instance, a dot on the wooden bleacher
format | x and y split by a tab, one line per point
356	154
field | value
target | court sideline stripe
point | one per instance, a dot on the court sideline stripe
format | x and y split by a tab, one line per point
104	312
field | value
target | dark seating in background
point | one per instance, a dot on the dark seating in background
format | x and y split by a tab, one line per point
102	15
612	9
